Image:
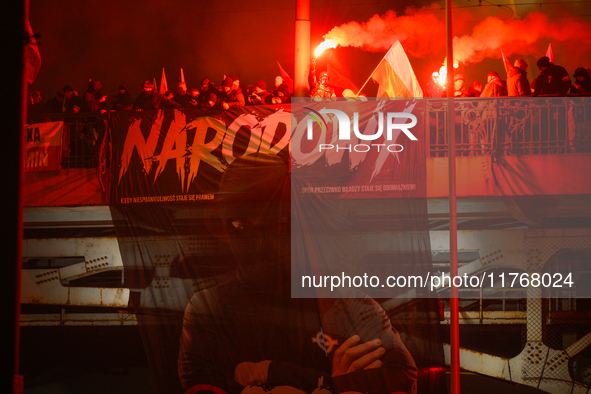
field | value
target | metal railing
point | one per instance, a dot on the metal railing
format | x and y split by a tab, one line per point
511	126
483	127
81	137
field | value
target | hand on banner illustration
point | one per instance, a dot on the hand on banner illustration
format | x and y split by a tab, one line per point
354	356
247	373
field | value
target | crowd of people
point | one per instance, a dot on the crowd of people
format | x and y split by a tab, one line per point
552	80
207	96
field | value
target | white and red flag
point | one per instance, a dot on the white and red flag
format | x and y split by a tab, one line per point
506	63
43	146
338	81
163	83
286	78
395	75
32	57
550	53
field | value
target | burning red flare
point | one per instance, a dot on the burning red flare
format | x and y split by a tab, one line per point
328	43
443	72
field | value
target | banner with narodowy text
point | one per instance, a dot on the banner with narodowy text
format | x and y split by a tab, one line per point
207	209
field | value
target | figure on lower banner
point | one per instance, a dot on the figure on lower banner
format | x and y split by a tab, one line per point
248	335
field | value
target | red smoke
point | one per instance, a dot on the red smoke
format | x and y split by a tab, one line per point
517	36
415	30
422	33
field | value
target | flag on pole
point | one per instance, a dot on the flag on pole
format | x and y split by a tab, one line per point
550	53
338	81
286	78
32	56
182	75
395	75
163	84
506	63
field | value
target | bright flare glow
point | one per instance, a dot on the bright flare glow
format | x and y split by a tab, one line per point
443	73
324	46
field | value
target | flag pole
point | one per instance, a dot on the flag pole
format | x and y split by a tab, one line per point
13	19
454	316
372	73
302	49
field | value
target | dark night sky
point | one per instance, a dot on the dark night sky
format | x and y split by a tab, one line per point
127	42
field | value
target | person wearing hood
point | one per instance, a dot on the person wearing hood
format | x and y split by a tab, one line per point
123	101
149	98
459	88
475	90
260	95
72	102
553	79
93	99
231	95
434	89
281	94
54	105
205	98
495	86
235	94
249	331
582	82
183	97
517	83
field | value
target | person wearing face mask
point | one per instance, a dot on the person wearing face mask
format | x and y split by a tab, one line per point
72	102
123	101
149	98
248	335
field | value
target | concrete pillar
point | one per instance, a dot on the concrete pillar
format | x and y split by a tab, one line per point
302	49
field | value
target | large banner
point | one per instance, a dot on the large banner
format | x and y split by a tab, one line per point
359	208
209	210
43	146
174	156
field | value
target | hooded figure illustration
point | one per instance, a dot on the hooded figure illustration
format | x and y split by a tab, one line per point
248	335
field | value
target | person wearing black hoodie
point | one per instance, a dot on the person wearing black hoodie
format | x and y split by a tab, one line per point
281	94
93	99
249	335
54	105
72	102
123	101
553	79
205	100
231	96
149	98
582	81
495	86
517	83
260	95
